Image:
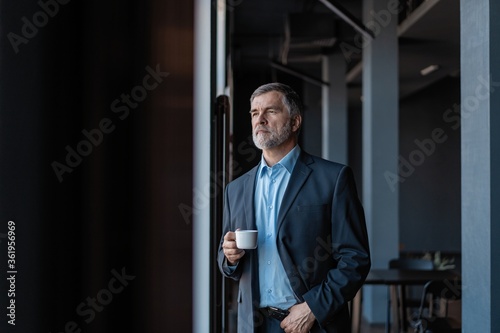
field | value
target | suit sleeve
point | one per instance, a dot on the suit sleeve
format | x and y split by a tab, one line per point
230	272
350	252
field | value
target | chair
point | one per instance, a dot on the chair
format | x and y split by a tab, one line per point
403	304
434	313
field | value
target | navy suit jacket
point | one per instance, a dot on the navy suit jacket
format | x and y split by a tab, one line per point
321	240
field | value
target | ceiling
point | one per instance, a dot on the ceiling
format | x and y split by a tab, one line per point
293	35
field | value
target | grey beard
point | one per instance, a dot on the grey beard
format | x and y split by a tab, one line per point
274	140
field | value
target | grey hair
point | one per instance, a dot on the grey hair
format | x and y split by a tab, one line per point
290	98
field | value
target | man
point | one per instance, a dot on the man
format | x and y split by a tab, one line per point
312	254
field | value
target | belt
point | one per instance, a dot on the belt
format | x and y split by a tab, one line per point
272	312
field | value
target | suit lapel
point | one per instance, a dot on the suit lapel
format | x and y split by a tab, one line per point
249	198
300	173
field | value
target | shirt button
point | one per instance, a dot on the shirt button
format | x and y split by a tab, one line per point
269	262
274	180
269	291
271	207
269	235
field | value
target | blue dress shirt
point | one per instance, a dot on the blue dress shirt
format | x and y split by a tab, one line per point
271	183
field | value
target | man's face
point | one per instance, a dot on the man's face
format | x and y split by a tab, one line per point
271	121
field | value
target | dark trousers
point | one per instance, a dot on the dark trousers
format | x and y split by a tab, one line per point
269	325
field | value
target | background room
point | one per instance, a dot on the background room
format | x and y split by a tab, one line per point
113	160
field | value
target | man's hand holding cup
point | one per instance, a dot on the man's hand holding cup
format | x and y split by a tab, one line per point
235	243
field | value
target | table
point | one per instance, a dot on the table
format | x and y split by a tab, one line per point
394	278
408	277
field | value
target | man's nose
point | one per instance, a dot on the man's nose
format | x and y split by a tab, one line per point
261	119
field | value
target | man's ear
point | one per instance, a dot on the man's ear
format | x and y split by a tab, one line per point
296	123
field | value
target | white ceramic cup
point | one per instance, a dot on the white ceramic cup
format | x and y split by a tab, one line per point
246	239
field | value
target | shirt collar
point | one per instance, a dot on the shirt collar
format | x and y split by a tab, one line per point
288	161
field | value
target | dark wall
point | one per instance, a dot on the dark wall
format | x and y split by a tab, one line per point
430	218
96	156
311	132
355	149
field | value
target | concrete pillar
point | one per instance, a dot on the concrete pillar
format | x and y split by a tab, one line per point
380	142
480	97
334	109
201	165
